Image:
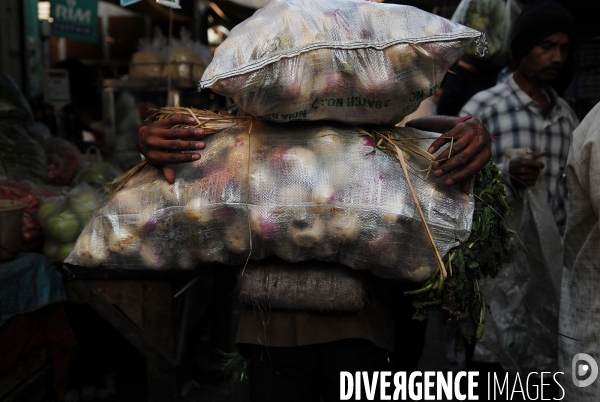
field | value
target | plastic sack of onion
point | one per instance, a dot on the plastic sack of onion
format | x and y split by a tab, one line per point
352	61
298	191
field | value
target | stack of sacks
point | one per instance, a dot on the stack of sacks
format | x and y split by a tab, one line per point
302	190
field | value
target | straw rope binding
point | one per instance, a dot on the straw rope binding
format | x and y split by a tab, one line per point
211	122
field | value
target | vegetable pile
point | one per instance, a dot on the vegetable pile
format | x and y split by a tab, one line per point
63	218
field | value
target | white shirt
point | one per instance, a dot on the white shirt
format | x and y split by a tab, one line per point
580	296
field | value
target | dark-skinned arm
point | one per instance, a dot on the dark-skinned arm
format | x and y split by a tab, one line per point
525	172
470	150
161	144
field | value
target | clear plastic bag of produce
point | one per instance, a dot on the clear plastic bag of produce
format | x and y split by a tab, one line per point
298	191
352	61
148	61
492	17
95	171
64	217
187	58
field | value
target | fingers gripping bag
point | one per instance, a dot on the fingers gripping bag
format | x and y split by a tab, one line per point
352	61
299	191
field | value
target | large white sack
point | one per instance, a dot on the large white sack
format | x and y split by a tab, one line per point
352	61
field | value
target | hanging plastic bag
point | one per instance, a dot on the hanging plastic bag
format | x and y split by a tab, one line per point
148	61
352	61
495	19
94	170
524	297
300	192
187	59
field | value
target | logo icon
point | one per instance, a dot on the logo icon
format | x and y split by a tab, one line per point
584	370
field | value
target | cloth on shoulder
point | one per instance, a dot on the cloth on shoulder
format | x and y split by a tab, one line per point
579	319
525	295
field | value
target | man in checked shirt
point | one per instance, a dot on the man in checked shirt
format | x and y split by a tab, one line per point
525	113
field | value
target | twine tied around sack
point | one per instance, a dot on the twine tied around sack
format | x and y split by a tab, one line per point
386	141
211	122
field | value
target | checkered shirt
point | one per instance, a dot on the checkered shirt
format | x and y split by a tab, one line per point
514	120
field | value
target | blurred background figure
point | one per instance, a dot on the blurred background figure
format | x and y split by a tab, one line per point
22	157
64	160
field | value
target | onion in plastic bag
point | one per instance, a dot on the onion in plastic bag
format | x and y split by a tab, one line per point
303	191
352	61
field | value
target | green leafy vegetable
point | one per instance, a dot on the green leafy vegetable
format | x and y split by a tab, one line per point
460	296
235	366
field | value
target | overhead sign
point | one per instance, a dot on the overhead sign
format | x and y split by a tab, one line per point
75	19
125	3
169	3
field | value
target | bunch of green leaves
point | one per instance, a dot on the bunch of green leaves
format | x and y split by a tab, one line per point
490	246
235	367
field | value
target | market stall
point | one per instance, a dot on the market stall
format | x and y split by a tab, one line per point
303	162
